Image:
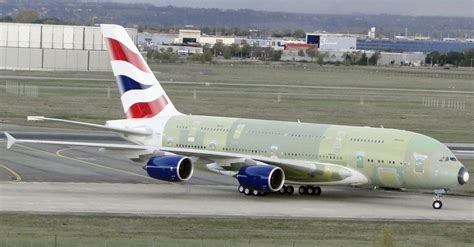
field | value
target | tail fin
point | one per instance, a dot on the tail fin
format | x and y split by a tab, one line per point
141	94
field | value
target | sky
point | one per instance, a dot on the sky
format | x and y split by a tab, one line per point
403	7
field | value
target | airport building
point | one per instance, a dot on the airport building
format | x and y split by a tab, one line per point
332	42
412	45
54	47
347	42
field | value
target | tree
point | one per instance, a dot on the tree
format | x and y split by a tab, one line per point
299	33
374	58
363	60
274	55
26	16
321	57
351	58
301	53
468	58
256	51
6	19
454	58
235	50
312	52
245	50
227	52
218	48
432	57
207	56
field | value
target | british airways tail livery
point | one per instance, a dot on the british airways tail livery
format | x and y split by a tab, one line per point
141	94
264	156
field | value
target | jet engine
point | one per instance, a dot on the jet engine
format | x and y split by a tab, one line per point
264	178
171	168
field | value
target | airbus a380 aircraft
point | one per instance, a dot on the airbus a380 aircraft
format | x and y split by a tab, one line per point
264	156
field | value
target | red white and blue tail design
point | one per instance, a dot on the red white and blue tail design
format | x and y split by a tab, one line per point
141	94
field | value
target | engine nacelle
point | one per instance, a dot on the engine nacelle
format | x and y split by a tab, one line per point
171	168
261	178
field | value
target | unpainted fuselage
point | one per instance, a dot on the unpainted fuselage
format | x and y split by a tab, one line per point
386	157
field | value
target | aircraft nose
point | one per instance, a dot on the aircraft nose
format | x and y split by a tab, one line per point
463	176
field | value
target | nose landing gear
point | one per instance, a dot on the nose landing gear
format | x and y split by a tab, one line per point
437	204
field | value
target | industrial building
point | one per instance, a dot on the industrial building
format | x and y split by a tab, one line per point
332	42
412	45
53	47
347	42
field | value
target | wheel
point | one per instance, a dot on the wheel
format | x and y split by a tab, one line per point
290	190
310	190
302	190
437	204
241	189
255	192
317	190
247	191
282	190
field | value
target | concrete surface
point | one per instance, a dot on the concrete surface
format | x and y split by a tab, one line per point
215	201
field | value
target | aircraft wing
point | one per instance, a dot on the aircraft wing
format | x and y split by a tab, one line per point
296	171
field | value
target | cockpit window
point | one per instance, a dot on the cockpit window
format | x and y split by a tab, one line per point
446	159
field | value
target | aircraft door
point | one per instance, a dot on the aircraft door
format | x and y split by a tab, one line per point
419	162
273	151
360	156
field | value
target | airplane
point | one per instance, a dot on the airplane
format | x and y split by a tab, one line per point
264	156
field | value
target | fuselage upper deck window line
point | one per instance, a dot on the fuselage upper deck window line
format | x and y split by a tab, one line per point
366	140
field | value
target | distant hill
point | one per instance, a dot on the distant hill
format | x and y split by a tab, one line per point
150	15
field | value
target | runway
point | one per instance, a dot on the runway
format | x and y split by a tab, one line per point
252	85
224	201
65	180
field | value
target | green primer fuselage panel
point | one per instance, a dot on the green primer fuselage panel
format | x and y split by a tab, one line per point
387	157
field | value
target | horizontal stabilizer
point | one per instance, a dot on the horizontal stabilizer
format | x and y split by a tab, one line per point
11	140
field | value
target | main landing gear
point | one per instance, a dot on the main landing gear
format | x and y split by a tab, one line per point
437	204
248	192
310	190
285	190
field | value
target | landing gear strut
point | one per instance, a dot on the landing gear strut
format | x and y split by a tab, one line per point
437	204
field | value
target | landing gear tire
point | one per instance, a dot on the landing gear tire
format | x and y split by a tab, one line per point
282	191
310	190
241	189
317	190
302	190
437	204
290	190
247	191
255	192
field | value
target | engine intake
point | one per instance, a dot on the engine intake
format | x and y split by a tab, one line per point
262	178
171	168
